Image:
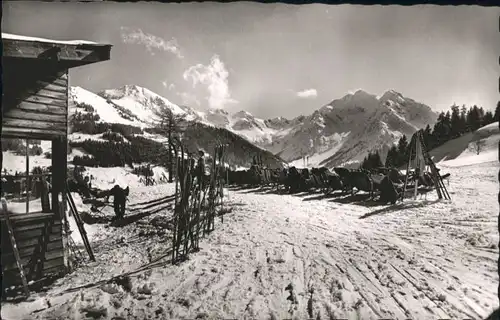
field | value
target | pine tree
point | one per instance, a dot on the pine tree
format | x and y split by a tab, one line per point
463	119
169	125
392	156
496	116
488	118
438	131
372	161
365	164
481	113
402	149
474	118
427	135
455	124
447	126
376	160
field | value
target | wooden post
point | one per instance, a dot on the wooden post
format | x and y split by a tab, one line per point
407	169
66	235
81	228
417	168
59	173
45	194
436	177
227	178
27	176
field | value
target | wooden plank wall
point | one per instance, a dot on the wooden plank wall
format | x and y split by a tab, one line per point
35	102
36	236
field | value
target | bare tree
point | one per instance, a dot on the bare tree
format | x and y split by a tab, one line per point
477	146
169	124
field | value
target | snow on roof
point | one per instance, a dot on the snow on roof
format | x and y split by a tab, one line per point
26	38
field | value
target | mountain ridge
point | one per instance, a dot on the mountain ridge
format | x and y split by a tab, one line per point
342	131
353	126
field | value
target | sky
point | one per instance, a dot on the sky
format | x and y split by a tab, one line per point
277	59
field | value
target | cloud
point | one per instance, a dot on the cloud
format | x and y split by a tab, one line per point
309	93
150	41
215	77
168	86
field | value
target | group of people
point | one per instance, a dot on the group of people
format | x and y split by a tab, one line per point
84	187
120	195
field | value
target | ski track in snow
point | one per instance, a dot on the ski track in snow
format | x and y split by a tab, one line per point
422	259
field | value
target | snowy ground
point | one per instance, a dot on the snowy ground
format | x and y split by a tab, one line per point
420	259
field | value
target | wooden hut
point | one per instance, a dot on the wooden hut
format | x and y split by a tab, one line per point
35	101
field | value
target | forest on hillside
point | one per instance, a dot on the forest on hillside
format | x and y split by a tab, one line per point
239	151
450	125
124	144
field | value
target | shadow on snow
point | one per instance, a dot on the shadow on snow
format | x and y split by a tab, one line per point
398	207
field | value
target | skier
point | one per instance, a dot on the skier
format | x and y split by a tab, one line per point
119	200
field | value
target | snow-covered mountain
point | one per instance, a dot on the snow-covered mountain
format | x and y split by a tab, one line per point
139	103
346	129
137	106
343	131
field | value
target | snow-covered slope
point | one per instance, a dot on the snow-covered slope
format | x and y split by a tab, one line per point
477	147
346	129
130	104
106	111
292	257
139	103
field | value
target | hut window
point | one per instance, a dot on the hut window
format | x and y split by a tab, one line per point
26	175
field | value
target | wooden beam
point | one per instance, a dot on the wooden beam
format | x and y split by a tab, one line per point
26	234
51	86
34	241
33	124
33	175
81	54
20	227
47	94
36	115
28	251
22	133
47	101
43	106
24	218
53	258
